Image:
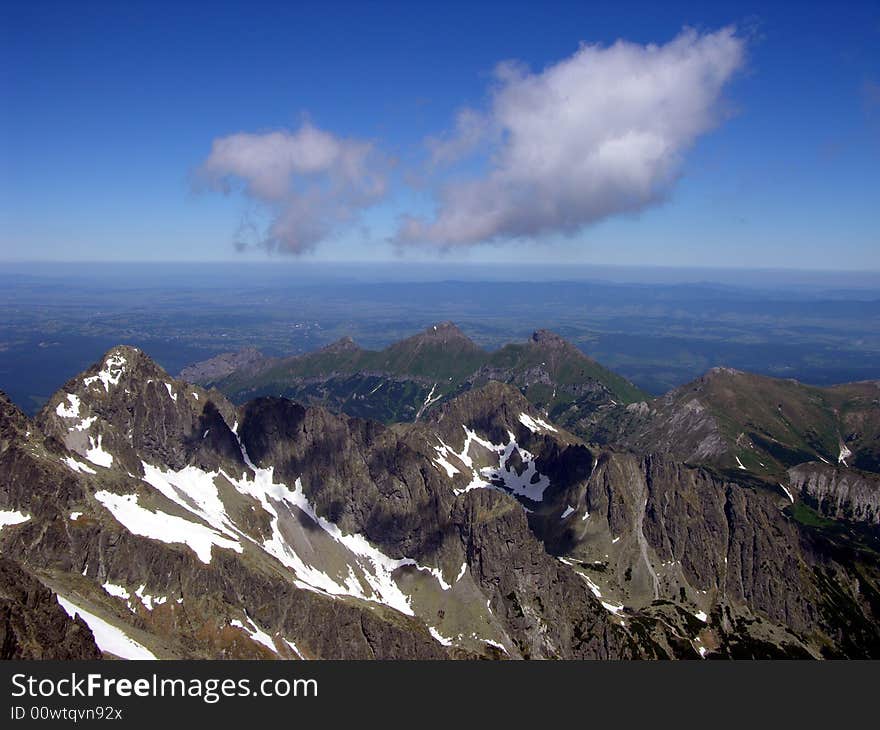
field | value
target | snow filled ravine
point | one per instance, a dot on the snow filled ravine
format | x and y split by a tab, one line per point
515	472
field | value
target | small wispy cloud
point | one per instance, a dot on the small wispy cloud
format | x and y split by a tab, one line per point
307	182
600	133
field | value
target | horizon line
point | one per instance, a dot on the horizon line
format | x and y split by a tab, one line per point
383	262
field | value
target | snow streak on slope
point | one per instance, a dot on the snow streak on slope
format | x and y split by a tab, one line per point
535	424
256	633
163	526
428	401
338	564
615	608
372	581
196	491
74	465
346	564
787	492
109	638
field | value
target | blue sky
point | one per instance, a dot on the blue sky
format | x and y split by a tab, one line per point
110	112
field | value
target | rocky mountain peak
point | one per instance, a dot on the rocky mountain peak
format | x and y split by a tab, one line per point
343	344
121	363
548	339
495	408
125	407
722	372
445	330
443	334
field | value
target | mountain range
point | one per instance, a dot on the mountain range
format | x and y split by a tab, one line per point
402	382
435	500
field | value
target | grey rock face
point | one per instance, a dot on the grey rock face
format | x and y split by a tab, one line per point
837	492
208	371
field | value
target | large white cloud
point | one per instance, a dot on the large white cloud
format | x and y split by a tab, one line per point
597	134
310	181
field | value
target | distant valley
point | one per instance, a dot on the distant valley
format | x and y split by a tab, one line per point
658	329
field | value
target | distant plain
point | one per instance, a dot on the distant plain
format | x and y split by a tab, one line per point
658	327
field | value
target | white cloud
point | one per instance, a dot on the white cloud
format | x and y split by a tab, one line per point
597	134
309	181
471	129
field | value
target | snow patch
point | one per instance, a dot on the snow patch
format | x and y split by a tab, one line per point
171	392
71	411
496	644
845	453
75	515
529	484
84	425
593	587
256	633
74	465
163	526
96	453
116	591
194	490
568	510
445	465
109	638
615	608
375	568
446	641
150	601
12	517
739	464
535	424
114	367
701	615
